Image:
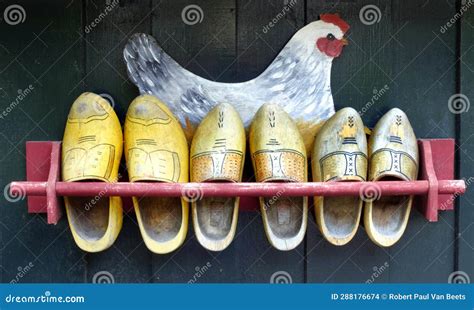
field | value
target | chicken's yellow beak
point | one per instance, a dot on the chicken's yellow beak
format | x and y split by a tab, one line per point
344	41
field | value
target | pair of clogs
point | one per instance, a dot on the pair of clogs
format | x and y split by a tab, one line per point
156	150
340	154
278	155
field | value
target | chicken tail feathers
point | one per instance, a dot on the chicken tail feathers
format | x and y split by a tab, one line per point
157	74
148	66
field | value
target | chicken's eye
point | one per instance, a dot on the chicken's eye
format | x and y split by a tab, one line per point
330	37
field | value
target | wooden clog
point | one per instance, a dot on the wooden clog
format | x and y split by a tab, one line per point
393	152
339	155
279	155
156	150
91	151
217	155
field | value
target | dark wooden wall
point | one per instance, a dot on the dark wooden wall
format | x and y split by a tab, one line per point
405	52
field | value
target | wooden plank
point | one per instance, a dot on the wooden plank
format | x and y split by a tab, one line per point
426	252
42	54
105	38
208	49
355	79
107	27
205	45
384	60
249	258
263	29
465	209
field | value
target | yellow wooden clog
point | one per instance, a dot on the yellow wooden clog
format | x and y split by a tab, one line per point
339	154
393	152
279	155
156	150
91	151
217	155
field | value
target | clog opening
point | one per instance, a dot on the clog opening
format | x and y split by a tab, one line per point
89	215
161	216
215	215
284	214
388	212
342	214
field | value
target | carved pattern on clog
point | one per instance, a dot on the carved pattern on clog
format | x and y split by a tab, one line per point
82	163
391	161
148	114
83	113
347	134
396	131
159	165
225	165
220	121
86	139
346	161
284	164
273	142
342	165
272	119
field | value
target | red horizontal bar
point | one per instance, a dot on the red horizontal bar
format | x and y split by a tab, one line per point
191	190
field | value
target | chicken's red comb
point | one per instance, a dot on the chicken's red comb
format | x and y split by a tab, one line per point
336	20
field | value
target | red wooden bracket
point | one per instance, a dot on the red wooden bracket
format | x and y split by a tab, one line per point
43	166
435	185
436	164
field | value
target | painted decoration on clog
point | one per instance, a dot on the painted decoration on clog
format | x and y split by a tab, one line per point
298	79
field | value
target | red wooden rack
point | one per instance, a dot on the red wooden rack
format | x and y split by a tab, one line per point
435	188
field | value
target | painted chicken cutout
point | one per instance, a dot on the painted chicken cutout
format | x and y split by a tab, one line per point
299	79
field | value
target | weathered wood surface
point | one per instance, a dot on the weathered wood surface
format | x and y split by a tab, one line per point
464	225
403	60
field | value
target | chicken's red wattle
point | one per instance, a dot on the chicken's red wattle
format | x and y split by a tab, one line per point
332	48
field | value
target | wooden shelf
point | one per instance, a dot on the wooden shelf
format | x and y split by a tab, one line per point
435	187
